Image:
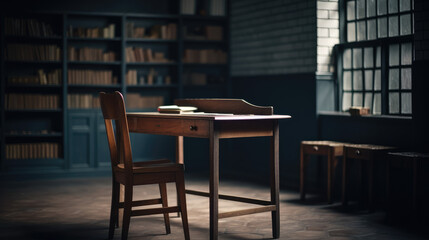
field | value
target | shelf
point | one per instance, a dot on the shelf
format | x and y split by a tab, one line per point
152	86
147	40
24	38
95	86
39	135
204	41
33	62
214	85
34	111
156	16
151	63
116	39
203	18
94	63
205	64
38	86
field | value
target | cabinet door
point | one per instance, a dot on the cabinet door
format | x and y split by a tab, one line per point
81	139
102	150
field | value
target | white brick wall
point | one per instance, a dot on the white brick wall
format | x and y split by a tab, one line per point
274	37
328	33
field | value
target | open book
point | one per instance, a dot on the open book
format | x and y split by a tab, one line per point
176	109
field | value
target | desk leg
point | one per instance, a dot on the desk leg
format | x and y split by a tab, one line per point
274	180
214	182
179	159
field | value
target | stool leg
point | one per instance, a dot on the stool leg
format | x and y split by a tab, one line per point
303	166
164	200
345	180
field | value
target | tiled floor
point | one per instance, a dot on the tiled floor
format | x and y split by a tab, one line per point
74	208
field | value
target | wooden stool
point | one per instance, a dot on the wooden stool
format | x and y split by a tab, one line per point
402	160
362	152
331	150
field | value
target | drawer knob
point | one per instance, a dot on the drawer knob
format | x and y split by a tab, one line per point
357	152
316	148
193	128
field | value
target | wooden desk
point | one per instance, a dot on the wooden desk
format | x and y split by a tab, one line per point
215	127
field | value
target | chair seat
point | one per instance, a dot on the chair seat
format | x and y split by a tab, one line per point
152	167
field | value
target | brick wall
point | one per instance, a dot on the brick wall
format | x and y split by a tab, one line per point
327	33
273	37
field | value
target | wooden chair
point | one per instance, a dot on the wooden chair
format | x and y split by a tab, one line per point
129	173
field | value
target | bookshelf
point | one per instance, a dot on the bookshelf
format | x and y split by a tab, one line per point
55	63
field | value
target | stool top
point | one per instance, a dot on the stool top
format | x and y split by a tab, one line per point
324	143
369	147
410	154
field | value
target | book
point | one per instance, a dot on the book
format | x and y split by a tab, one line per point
176	109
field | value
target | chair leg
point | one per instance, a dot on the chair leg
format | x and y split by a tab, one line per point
127	210
114	208
163	192
180	188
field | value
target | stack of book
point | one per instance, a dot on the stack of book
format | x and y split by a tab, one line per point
211	56
41	78
82	101
209	32
96	32
135	77
19	101
90	54
32	52
91	77
27	27
168	31
32	150
138	54
136	101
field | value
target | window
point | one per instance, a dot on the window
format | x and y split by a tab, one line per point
375	56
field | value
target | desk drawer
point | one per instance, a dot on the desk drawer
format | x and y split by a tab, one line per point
359	153
175	127
315	149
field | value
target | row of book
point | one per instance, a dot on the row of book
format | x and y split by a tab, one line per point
91	77
212	56
137	101
209	32
82	101
27	27
168	31
19	101
135	77
32	132
138	54
32	150
194	78
96	32
90	54
203	7
32	52
40	78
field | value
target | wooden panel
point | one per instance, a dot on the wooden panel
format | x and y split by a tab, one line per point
235	106
239	129
195	128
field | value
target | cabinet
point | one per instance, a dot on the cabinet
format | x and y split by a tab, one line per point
54	64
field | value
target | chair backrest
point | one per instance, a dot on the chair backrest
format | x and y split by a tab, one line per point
113	108
221	105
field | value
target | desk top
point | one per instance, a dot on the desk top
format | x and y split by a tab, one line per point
207	116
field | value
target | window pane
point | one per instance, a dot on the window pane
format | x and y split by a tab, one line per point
360	9
361	33
378	57
393	6
406	103
350	10
368	100
406	78
369	58
357	99
406	53
405	5
347	101
377	104
351	32
347	80
394	79
394	103
357	57
370	8
382	27
357	80
347	58
377	80
394	55
382	7
368	80
393	26
372	29
406	24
